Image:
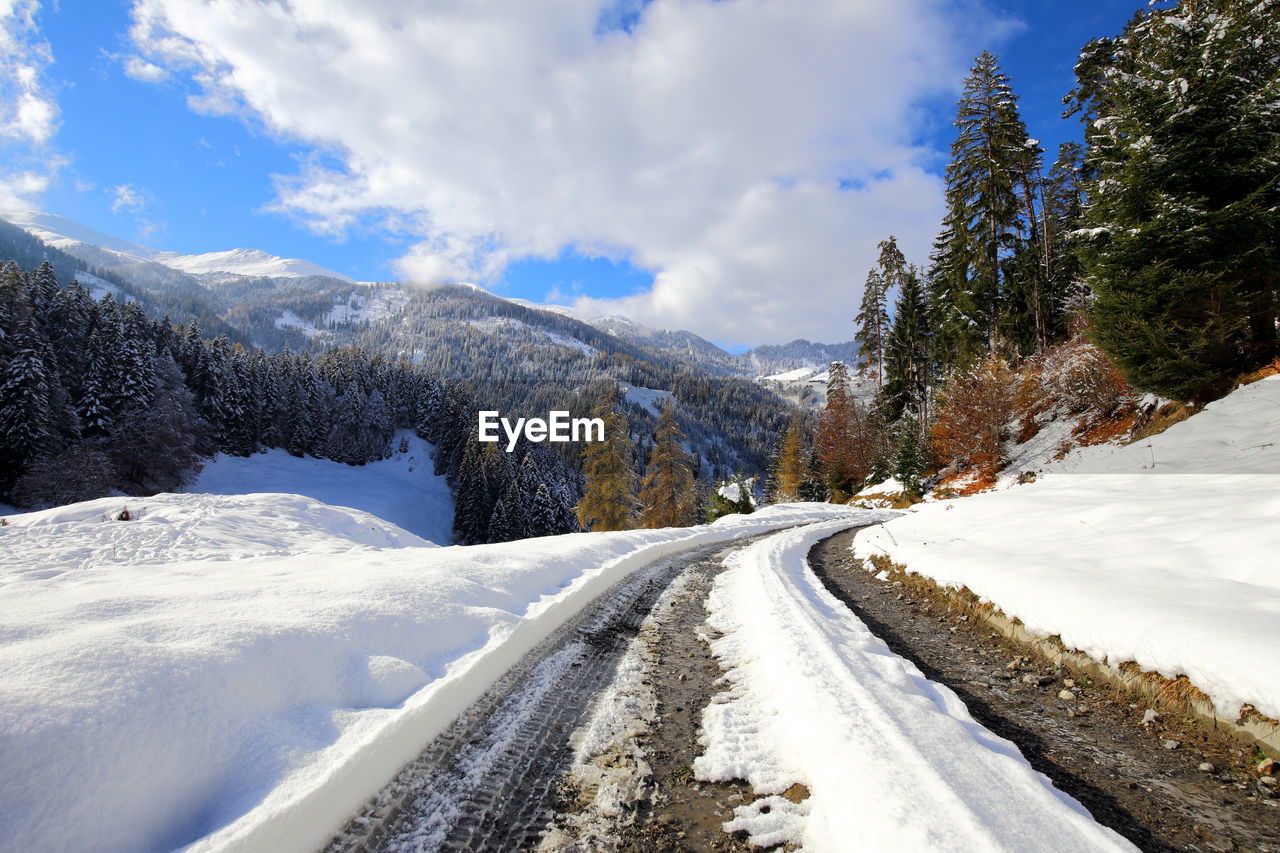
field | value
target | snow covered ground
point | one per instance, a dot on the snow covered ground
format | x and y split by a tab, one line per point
241	672
401	490
892	760
650	399
1161	552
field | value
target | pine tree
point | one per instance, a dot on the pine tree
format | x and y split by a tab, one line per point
812	487
472	508
27	419
908	358
1182	117
609	502
502	526
985	212
872	320
666	493
910	457
544	514
873	316
1067	294
93	406
791	467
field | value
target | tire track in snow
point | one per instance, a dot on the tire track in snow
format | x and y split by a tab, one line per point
489	782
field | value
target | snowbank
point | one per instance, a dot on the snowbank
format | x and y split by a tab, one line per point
402	489
1161	552
892	760
243	672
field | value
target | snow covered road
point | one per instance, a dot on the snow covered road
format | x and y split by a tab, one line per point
891	760
243	672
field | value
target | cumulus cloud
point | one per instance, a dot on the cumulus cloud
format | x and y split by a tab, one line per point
751	152
147	72
28	112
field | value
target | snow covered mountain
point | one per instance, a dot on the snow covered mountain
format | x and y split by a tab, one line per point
95	247
519	355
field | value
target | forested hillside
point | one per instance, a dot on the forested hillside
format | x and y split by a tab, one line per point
524	359
97	397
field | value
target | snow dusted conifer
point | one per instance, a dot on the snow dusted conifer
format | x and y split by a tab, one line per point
985	213
544	514
910	457
27	422
872	323
812	487
503	526
873	317
666	494
1067	293
1182	117
94	404
471	499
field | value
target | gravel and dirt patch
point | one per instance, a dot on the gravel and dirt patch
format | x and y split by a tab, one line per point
657	714
1168	784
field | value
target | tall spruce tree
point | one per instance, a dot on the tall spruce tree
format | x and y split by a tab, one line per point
872	325
667	497
986	204
1063	208
1182	116
873	316
908	359
27	418
609	502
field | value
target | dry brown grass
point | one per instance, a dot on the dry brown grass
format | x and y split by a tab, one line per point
1263	372
1091	432
1163	418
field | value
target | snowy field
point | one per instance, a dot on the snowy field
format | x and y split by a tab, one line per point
402	490
1162	552
892	760
242	672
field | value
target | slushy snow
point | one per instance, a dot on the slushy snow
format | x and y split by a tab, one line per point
892	760
1161	552
401	489
243	672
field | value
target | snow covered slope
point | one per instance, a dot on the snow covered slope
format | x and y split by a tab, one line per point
892	760
1161	552
241	673
245	262
402	490
74	238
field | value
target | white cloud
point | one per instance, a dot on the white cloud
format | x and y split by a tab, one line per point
28	112
17	189
707	141
147	72
125	198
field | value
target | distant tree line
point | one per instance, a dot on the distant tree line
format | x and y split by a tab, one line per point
98	398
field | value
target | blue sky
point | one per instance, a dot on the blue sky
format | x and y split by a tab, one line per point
195	181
